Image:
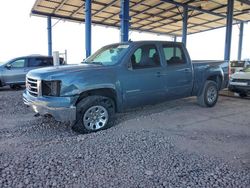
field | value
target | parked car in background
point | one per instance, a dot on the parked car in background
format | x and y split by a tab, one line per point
13	72
236	66
240	82
122	76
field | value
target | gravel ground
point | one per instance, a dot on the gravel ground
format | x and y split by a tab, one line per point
174	144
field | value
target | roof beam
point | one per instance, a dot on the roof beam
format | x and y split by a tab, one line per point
164	18
94	22
194	15
195	8
150	15
105	7
149	8
245	1
140	2
203	25
60	6
77	10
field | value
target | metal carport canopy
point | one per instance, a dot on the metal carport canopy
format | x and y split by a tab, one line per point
157	16
169	17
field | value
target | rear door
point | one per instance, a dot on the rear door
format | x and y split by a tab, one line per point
15	72
142	82
179	71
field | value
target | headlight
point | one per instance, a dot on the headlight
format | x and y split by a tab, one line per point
51	88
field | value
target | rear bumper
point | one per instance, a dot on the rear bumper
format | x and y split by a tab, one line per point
239	89
61	108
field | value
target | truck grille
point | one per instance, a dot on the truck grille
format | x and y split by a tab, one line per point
240	80
32	86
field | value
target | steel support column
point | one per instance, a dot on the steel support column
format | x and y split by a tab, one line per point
124	16
185	25
175	38
240	40
88	24
230	7
49	28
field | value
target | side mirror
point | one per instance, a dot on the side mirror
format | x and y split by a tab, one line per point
8	66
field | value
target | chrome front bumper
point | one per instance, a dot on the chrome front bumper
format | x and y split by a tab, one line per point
60	108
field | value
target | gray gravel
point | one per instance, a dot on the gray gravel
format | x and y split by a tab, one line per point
40	152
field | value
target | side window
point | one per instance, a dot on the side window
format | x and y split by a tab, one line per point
173	55
40	62
137	55
145	56
20	63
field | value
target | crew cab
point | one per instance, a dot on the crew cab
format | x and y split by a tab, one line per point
13	72
240	82
122	76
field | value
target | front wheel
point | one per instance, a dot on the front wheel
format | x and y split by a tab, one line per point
209	95
94	113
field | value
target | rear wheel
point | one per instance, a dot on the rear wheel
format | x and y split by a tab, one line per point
94	113
209	95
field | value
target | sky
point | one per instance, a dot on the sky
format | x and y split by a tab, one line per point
22	34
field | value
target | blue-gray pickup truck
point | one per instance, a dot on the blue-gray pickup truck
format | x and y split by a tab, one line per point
121	76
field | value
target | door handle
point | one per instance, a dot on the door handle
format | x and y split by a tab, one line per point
158	74
187	70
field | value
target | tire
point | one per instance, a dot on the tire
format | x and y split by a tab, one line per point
209	95
242	95
94	113
15	87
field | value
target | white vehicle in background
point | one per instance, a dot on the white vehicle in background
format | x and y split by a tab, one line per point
237	66
240	82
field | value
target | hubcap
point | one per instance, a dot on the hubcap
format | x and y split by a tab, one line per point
211	94
95	118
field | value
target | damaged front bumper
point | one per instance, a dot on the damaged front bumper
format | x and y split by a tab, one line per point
61	108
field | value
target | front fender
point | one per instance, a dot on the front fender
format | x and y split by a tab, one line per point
75	89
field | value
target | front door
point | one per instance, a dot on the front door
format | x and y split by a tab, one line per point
142	82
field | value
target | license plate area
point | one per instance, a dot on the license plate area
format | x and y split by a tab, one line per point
238	83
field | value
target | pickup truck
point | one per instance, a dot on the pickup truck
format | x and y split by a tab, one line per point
240	82
122	76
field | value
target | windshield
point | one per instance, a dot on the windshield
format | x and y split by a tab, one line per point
109	55
237	63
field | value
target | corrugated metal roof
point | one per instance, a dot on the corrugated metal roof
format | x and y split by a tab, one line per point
146	15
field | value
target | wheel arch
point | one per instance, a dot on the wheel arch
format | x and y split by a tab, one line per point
217	79
105	92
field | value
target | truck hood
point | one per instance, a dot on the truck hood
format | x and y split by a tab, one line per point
241	75
60	71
